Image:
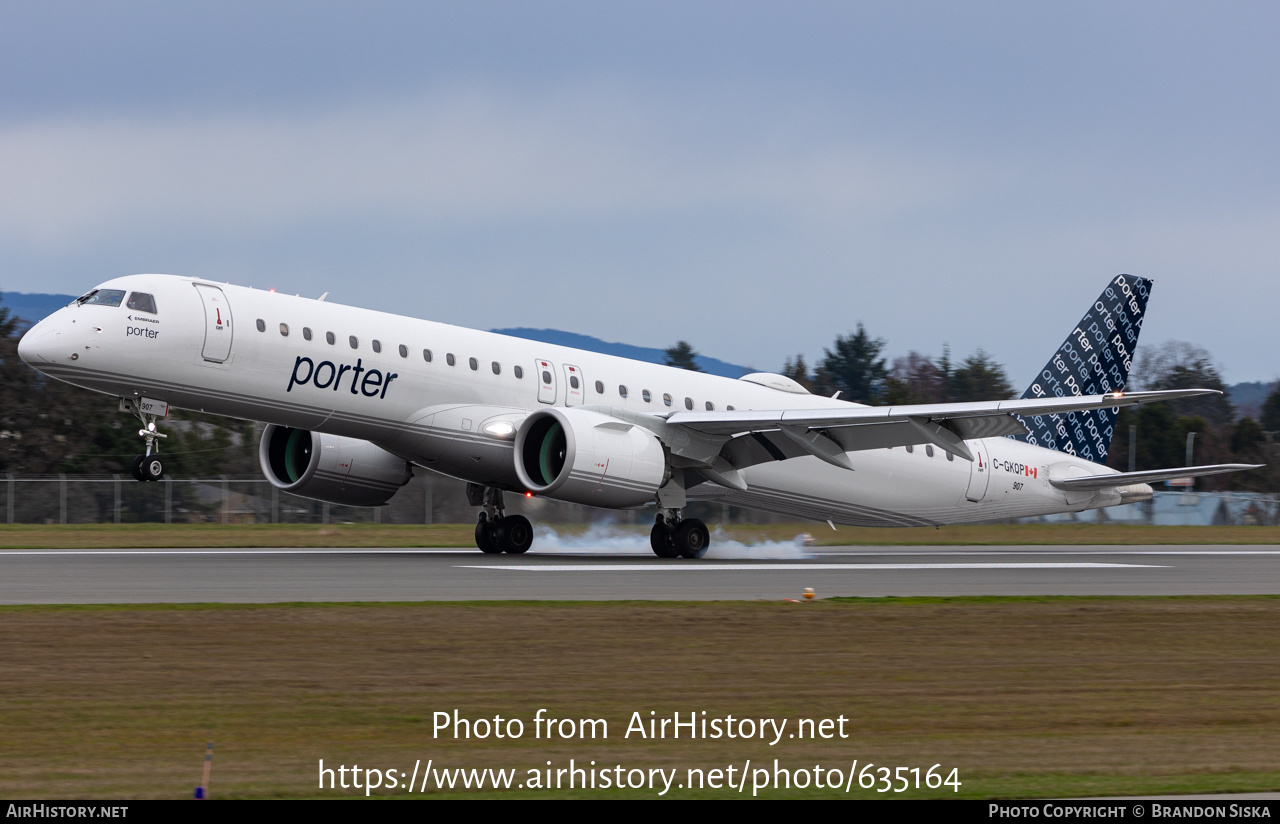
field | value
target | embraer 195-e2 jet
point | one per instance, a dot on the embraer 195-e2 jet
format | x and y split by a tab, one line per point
354	399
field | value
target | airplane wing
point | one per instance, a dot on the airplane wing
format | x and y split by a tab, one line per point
1152	476
763	435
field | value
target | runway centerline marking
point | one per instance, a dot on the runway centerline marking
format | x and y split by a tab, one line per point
790	567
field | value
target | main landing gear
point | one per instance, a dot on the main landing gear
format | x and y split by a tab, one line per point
497	532
672	537
149	466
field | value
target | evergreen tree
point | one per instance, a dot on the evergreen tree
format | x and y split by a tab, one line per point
1247	440
682	356
798	371
979	378
1159	443
8	323
855	368
1271	411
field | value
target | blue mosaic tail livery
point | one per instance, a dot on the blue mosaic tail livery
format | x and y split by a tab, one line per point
1093	360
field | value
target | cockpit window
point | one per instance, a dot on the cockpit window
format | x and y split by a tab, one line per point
102	297
142	302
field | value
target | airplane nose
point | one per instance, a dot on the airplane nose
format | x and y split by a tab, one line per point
36	346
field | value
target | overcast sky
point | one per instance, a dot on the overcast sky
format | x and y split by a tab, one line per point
754	178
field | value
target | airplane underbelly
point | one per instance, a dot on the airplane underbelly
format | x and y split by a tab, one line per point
886	488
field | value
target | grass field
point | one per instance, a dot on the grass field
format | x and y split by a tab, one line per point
1025	697
16	536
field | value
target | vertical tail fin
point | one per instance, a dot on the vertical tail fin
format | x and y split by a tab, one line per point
1094	359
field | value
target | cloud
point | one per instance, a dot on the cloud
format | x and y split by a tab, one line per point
754	223
457	157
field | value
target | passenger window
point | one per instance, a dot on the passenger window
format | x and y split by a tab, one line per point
473	363
404	351
599	387
622	391
262	325
666	398
306	333
519	372
688	403
950	457
142	302
546	377
573	381
646	396
497	368
354	341
426	355
928	450
910	448
330	338
284	330
711	407
449	359
729	408
377	345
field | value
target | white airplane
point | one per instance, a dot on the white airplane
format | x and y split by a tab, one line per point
354	399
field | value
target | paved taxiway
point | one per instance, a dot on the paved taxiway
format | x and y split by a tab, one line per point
273	575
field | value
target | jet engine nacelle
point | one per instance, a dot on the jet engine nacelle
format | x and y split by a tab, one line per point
589	458
330	468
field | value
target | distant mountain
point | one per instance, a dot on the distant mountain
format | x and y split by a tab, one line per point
623	350
34	307
1249	397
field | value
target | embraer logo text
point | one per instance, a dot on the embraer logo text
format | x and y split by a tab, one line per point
325	374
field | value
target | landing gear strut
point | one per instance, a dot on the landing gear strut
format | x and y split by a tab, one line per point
672	537
497	532
149	466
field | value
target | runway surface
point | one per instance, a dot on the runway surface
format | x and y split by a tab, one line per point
739	573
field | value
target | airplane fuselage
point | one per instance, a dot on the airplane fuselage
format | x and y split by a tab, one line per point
429	393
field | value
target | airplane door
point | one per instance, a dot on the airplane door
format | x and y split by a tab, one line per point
979	472
546	381
217	323
573	392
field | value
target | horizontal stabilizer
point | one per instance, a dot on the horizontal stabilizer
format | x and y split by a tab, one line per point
1152	476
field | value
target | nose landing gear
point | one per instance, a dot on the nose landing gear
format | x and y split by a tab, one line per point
497	532
148	466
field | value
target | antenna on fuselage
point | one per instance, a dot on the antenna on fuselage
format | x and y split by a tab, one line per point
322	297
